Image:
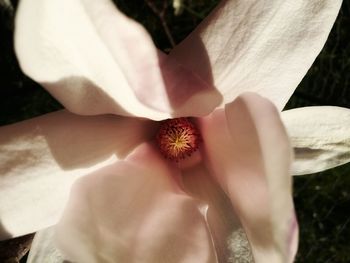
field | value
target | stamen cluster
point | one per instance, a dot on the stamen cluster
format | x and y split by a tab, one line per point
178	138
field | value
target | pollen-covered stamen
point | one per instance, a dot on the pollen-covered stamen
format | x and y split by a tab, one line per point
178	138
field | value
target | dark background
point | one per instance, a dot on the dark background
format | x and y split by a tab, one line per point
322	200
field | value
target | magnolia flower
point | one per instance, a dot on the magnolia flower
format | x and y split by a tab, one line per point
128	203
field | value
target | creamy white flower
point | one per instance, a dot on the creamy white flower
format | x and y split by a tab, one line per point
128	203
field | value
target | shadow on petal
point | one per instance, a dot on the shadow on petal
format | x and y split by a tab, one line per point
187	93
43	156
134	211
3	233
229	238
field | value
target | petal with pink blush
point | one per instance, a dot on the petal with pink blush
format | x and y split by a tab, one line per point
96	60
247	149
320	137
260	46
134	211
230	241
40	159
187	93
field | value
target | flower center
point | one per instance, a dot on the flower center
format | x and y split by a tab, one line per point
178	138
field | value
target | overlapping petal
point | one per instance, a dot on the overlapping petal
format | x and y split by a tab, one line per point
230	241
260	46
95	60
247	149
40	159
43	248
320	137
134	211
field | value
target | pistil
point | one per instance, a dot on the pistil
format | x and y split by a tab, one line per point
178	138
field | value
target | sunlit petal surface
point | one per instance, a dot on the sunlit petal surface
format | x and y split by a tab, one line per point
41	157
134	211
260	46
95	60
247	149
320	137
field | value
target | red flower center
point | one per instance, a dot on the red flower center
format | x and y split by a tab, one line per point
178	138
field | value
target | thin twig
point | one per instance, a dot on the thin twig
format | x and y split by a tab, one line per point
161	15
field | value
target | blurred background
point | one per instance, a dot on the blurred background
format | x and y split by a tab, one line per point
322	200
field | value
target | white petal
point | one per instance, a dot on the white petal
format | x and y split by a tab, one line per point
230	241
95	60
43	248
248	151
320	137
257	45
40	159
133	211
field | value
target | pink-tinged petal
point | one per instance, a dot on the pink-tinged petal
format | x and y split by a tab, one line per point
96	60
134	211
260	46
230	241
40	159
320	137
187	93
248	151
43	248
